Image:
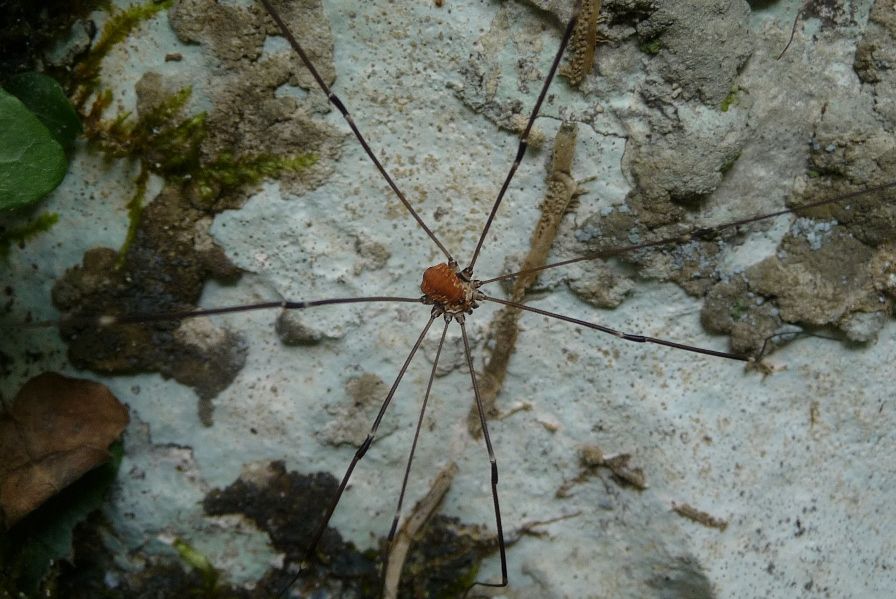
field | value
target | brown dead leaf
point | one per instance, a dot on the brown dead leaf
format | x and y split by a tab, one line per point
57	429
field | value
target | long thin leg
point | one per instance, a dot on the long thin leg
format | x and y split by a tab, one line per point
337	103
362	449
109	320
625	336
699	233
524	138
407	469
491	458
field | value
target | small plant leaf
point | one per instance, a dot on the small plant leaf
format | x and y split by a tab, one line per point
32	163
45	98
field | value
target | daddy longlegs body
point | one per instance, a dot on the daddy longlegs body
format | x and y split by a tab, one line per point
795	462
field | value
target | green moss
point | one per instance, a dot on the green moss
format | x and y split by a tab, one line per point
163	139
226	172
737	310
199	562
23	233
116	30
726	166
651	46
167	142
729	100
135	211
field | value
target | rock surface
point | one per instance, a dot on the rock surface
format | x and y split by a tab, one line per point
686	120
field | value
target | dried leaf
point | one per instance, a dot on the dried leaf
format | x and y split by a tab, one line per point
57	429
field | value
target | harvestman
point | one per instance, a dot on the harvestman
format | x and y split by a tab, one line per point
454	293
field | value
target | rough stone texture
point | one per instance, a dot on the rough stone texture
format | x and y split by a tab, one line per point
688	146
293	331
600	286
798	459
352	416
172	254
703	46
248	116
876	57
207	360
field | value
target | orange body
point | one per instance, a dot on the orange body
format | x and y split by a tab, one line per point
442	285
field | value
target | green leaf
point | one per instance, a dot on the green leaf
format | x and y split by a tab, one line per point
198	561
45	98
32	163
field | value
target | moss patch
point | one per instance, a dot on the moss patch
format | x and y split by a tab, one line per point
86	76
209	162
729	100
651	46
20	234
